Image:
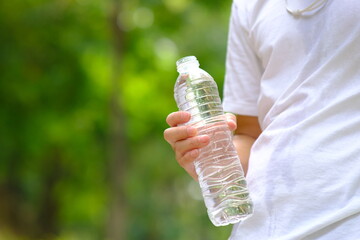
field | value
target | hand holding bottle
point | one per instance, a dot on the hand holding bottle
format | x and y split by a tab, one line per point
185	140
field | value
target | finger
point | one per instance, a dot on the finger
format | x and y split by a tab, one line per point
187	162
175	134
176	118
185	146
231	120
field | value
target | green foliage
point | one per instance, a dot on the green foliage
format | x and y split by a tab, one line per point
57	59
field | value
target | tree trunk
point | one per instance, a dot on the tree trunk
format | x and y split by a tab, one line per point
118	153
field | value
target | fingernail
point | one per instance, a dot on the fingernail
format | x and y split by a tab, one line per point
204	139
231	121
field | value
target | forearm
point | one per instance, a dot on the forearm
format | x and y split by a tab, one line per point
243	144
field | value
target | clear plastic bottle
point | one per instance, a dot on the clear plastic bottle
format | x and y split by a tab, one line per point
220	174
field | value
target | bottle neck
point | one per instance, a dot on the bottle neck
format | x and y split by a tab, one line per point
186	64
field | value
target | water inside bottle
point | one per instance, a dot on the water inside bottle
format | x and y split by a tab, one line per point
199	97
221	177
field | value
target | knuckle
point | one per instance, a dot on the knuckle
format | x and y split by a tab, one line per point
180	160
194	142
186	158
175	118
169	118
176	149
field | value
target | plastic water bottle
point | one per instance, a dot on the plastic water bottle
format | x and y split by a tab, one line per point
218	167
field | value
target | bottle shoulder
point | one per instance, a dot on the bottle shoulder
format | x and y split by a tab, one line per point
193	75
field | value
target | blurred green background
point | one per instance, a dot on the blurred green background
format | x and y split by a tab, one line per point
85	87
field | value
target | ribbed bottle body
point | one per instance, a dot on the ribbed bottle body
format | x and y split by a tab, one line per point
220	174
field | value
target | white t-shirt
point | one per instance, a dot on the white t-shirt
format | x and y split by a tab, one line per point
301	77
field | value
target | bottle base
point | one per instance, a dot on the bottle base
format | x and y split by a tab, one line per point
231	214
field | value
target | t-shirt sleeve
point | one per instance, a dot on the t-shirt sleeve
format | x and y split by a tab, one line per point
243	67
